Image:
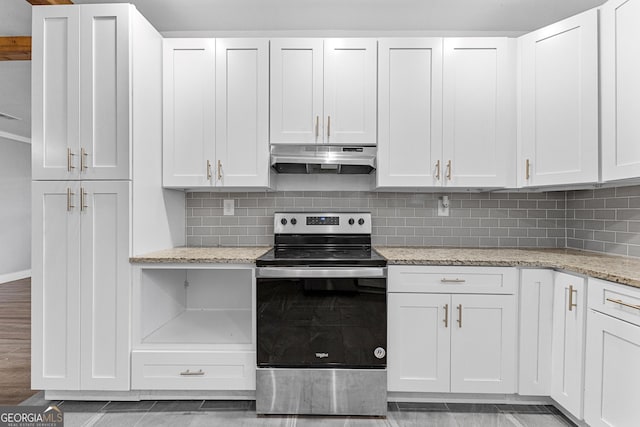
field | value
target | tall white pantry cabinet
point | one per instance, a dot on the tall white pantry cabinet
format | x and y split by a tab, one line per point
95	68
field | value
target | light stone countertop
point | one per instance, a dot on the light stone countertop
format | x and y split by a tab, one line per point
231	255
617	269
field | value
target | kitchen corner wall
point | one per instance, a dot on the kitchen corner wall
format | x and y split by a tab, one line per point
605	220
399	219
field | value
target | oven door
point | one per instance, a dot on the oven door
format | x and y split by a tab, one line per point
321	317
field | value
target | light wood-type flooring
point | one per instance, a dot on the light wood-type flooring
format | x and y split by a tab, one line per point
15	342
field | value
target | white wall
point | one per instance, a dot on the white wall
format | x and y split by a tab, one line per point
15	209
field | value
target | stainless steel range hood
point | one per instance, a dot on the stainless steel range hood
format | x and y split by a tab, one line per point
323	159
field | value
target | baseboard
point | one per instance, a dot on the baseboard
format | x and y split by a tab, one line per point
10	277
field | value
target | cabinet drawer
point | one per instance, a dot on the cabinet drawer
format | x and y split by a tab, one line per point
202	370
615	300
495	280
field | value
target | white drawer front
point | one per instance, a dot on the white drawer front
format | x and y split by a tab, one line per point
181	370
416	278
616	300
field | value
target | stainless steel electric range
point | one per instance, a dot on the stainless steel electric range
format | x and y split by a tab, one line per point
322	317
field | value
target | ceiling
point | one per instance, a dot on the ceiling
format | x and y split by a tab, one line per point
312	17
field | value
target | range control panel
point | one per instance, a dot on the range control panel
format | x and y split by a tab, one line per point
322	223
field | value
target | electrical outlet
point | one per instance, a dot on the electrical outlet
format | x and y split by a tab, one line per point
443	206
229	206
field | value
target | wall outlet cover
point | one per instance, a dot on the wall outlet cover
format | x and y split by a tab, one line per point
229	207
443	208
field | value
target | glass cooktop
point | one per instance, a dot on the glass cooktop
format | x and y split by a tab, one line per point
322	256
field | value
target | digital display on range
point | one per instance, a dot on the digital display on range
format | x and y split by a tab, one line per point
323	220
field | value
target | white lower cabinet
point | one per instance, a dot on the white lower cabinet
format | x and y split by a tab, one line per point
448	341
612	383
193	370
419	342
194	327
567	356
80	285
535	334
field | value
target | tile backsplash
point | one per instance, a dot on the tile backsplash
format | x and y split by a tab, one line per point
399	219
605	220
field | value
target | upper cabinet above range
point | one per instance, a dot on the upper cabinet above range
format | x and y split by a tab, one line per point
323	91
81	92
558	123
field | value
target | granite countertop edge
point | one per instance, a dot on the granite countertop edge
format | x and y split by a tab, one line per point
622	270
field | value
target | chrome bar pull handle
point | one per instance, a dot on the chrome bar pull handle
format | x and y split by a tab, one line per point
317	126
446	315
208	170
189	373
626	304
70	195
449	170
460	315
83	200
456	280
527	167
219	170
328	127
83	160
70	166
438	170
571	303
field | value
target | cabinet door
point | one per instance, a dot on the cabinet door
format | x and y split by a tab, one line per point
55	69
296	91
105	284
104	92
483	343
567	355
559	103
55	286
478	121
612	371
188	112
418	353
536	330
242	112
620	66
350	91
410	113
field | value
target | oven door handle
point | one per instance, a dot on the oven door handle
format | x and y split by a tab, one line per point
314	272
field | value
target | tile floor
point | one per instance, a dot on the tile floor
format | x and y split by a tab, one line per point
209	413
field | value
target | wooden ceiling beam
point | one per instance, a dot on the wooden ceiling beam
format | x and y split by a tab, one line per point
49	2
15	48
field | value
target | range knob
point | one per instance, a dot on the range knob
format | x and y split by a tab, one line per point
351	221
283	221
361	221
294	221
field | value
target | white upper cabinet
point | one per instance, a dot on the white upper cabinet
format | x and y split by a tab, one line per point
620	67
445	112
559	103
81	92
409	112
350	91
296	91
216	118
323	91
188	112
242	112
478	132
